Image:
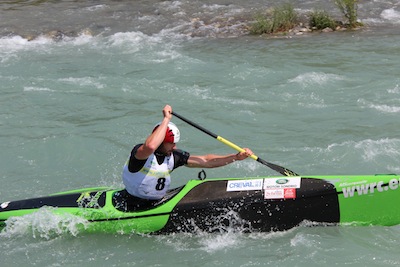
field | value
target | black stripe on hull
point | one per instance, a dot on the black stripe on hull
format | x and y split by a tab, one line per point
90	200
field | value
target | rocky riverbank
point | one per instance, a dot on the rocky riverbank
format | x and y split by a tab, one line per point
65	19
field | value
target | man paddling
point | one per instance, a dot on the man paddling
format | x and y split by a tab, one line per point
146	175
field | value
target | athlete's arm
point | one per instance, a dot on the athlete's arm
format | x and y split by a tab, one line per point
213	161
156	137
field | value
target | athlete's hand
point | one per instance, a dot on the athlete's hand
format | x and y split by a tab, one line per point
245	154
167	111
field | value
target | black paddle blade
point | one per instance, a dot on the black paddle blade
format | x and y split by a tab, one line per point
278	168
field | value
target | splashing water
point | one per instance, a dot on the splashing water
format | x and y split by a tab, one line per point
44	223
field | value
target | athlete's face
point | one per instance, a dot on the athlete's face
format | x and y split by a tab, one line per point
167	148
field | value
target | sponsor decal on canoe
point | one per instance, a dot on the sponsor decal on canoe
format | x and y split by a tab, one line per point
244	185
364	188
274	188
280	193
289	182
289	193
281	188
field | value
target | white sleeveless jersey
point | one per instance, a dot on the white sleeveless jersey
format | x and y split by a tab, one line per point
150	182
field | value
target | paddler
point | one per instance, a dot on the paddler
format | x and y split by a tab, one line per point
146	174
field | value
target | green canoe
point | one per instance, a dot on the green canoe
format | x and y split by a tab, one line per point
258	204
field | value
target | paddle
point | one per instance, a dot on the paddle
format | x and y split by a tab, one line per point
274	167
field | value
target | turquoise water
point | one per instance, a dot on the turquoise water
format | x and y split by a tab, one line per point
72	108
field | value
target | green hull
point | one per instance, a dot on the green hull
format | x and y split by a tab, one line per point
369	200
259	203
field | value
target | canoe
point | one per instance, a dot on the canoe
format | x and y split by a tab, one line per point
258	204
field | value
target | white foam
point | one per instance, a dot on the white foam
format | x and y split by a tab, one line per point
312	80
380	107
17	42
134	38
213	243
45	223
96	7
370	150
12	42
148	18
83	81
81	39
219	236
395	90
302	239
391	15
312	101
373	149
319	78
386	108
372	21
166	55
11	46
162	43
174	5
213	7
208	242
37	89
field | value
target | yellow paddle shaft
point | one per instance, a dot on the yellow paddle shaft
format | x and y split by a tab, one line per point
232	145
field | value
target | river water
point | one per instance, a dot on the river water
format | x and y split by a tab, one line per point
83	81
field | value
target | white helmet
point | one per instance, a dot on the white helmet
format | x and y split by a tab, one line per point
172	134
